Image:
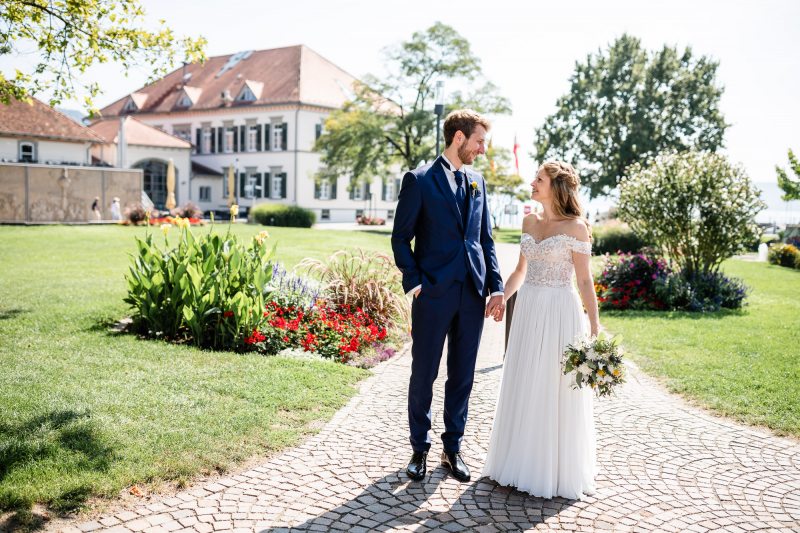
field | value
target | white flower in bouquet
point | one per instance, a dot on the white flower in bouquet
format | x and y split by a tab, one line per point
596	362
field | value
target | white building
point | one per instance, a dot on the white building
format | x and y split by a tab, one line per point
36	133
261	113
148	149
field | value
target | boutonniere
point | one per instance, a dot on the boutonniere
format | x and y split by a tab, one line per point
474	187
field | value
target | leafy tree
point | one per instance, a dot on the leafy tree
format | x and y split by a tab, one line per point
73	35
696	206
790	186
502	185
627	105
390	120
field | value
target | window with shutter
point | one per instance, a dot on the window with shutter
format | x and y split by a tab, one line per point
276	188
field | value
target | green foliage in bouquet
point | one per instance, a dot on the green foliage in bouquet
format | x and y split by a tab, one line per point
209	291
596	362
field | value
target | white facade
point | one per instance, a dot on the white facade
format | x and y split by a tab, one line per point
137	155
22	149
283	173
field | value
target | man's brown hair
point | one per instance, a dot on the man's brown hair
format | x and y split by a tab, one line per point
464	120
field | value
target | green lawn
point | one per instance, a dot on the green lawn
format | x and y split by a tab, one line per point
85	412
743	364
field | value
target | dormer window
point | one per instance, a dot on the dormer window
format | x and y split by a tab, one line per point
184	101
246	95
130	106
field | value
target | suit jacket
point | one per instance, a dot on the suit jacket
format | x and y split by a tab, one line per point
444	250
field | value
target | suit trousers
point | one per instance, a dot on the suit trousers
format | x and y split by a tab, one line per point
455	315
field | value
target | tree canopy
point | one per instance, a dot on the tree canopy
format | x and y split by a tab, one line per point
790	186
71	36
626	105
390	120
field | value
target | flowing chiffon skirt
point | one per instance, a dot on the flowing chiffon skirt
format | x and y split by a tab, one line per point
543	439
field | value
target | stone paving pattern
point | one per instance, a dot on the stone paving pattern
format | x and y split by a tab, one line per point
663	466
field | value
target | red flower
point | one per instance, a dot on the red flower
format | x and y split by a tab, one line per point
227	314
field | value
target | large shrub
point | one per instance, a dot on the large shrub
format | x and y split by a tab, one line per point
283	215
696	206
613	237
209	290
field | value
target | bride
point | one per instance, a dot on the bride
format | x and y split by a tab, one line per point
543	439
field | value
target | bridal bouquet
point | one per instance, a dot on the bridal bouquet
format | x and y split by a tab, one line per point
595	361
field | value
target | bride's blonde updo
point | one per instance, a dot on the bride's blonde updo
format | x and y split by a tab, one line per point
564	183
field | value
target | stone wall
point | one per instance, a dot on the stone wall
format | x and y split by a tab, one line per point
52	193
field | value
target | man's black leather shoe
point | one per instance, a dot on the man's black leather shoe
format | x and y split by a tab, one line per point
417	466
455	463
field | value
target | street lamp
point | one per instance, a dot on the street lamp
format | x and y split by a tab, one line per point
438	109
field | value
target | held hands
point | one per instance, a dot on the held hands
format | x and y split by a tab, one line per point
495	308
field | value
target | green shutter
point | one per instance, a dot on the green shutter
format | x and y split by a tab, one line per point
213	132
283	185
333	189
265	192
284	136
258	139
267	143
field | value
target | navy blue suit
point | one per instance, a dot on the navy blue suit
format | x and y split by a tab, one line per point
457	268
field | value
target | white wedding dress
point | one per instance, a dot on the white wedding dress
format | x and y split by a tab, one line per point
543	439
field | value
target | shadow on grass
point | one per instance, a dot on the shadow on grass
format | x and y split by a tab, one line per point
384	232
8	314
112	326
675	315
70	439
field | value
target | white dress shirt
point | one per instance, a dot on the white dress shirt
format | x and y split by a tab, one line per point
449	171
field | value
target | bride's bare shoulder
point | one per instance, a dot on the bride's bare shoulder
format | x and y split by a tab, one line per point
577	228
530	221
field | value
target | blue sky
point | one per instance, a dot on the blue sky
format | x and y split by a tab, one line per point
529	48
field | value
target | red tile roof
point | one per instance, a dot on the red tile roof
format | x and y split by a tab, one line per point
136	133
295	74
37	119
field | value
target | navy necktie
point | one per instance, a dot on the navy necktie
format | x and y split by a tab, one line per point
461	196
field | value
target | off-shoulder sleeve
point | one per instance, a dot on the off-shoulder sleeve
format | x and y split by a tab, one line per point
582	247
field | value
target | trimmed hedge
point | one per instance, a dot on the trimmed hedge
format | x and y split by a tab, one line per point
282	215
613	238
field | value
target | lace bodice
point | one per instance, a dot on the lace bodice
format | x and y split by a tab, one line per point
550	260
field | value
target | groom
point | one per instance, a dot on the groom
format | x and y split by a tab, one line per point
450	272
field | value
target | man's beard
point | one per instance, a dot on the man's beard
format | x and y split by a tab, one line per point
465	155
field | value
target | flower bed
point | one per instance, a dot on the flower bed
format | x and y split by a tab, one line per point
645	281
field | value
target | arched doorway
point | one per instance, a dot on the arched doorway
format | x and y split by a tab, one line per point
155	180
